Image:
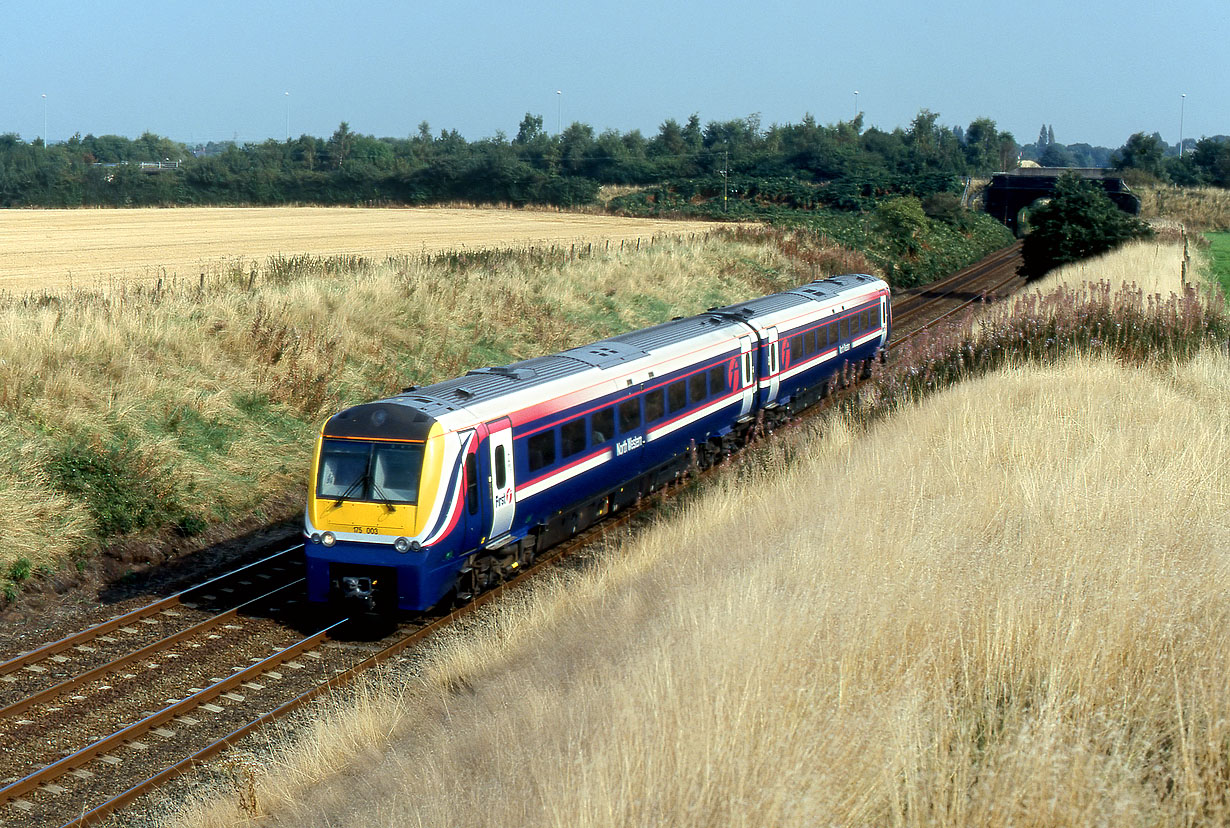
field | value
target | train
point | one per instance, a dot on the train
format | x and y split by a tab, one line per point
438	493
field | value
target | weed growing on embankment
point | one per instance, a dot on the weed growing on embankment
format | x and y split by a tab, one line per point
1003	605
153	410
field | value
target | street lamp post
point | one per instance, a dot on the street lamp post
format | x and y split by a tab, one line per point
287	116
856	103
559	115
44	119
1182	102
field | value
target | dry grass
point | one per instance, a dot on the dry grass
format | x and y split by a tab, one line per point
1199	208
1004	606
41	249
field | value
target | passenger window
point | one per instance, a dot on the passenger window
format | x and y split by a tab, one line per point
854	328
629	415
845	328
655	405
677	395
810	342
866	320
796	348
572	437
499	467
717	380
542	450
472	483
875	317
696	387
602	426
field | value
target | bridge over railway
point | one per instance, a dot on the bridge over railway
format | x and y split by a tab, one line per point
1011	192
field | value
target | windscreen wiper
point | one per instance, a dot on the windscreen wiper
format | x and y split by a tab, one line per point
361	479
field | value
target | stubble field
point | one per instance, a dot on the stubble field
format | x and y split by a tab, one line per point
52	249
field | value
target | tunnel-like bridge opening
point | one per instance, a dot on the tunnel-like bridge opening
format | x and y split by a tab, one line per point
1011	192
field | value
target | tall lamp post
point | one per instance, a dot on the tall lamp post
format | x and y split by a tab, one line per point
856	103
1182	102
44	119
287	116
559	114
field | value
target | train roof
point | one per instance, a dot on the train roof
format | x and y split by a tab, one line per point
821	290
485	384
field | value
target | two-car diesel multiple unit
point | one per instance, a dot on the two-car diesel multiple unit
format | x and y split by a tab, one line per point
445	490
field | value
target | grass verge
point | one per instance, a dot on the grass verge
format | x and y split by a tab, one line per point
1219	253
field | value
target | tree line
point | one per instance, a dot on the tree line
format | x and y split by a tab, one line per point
844	165
533	167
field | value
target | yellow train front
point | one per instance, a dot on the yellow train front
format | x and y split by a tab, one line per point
382	521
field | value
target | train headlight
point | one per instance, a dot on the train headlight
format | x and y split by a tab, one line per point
328	539
315	537
401	545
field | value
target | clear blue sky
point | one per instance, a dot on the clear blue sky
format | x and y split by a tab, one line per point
220	69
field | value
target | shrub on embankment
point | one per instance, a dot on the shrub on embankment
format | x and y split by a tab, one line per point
1005	605
133	417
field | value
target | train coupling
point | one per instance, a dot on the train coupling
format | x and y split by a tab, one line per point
360	589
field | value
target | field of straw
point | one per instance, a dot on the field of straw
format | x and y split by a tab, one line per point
48	249
1006	605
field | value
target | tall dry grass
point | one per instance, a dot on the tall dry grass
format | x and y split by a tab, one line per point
1199	208
1006	605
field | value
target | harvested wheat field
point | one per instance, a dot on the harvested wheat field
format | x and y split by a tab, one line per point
50	249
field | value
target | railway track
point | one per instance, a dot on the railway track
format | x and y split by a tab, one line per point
97	719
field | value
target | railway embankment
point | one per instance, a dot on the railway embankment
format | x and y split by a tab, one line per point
1002	601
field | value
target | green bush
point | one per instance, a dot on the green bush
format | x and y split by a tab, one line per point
123	489
1079	221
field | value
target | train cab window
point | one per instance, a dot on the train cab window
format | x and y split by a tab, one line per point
629	415
602	426
717	380
696	387
796	348
500	474
472	483
572	437
677	395
845	328
655	405
542	450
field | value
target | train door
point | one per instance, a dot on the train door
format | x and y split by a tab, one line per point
774	364
501	487
884	321
747	375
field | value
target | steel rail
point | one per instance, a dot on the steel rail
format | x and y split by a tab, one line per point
162	644
48	650
906	337
139	728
